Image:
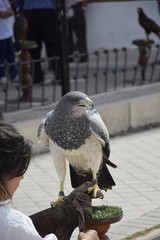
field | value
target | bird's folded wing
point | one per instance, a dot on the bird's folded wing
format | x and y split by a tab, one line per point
98	127
42	136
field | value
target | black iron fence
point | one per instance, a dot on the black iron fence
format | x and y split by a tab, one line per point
104	71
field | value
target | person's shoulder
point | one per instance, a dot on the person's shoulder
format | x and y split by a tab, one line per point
17	225
13	216
13	222
19	217
5	210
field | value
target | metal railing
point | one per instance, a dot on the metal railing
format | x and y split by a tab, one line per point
104	71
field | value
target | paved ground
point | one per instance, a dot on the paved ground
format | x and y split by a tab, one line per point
137	192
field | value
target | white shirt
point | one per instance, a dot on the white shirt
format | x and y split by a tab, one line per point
6	24
14	225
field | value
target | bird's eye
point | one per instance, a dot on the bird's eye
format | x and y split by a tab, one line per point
75	100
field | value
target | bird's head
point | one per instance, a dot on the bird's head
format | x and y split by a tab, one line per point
75	101
139	10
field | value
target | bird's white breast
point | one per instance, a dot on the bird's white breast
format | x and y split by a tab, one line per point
86	157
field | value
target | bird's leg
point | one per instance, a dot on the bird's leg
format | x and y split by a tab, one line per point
147	38
60	196
61	193
97	192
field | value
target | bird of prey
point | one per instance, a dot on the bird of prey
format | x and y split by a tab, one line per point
74	131
20	28
147	24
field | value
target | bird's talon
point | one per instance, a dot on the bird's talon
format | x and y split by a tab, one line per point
97	192
52	204
59	200
90	189
100	194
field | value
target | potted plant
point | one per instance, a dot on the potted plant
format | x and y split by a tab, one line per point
102	217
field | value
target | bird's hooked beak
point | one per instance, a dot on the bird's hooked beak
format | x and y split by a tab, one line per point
87	102
138	10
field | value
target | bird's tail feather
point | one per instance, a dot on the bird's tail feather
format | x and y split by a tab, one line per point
105	180
107	161
76	179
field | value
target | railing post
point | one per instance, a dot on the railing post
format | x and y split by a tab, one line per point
1	110
96	74
106	69
64	47
124	70
115	50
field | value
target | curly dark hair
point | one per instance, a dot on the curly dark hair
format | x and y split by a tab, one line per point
15	155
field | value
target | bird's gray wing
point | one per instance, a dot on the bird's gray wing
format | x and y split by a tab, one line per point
97	125
99	128
105	180
42	135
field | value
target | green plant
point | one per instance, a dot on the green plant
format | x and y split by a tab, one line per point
106	212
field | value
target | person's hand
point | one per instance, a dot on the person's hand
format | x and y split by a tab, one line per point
88	235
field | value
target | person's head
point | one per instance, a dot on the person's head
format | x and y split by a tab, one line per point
15	155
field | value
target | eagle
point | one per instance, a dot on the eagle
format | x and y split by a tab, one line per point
148	24
20	28
75	132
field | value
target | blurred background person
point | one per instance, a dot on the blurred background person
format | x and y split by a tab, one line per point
6	42
77	27
42	27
